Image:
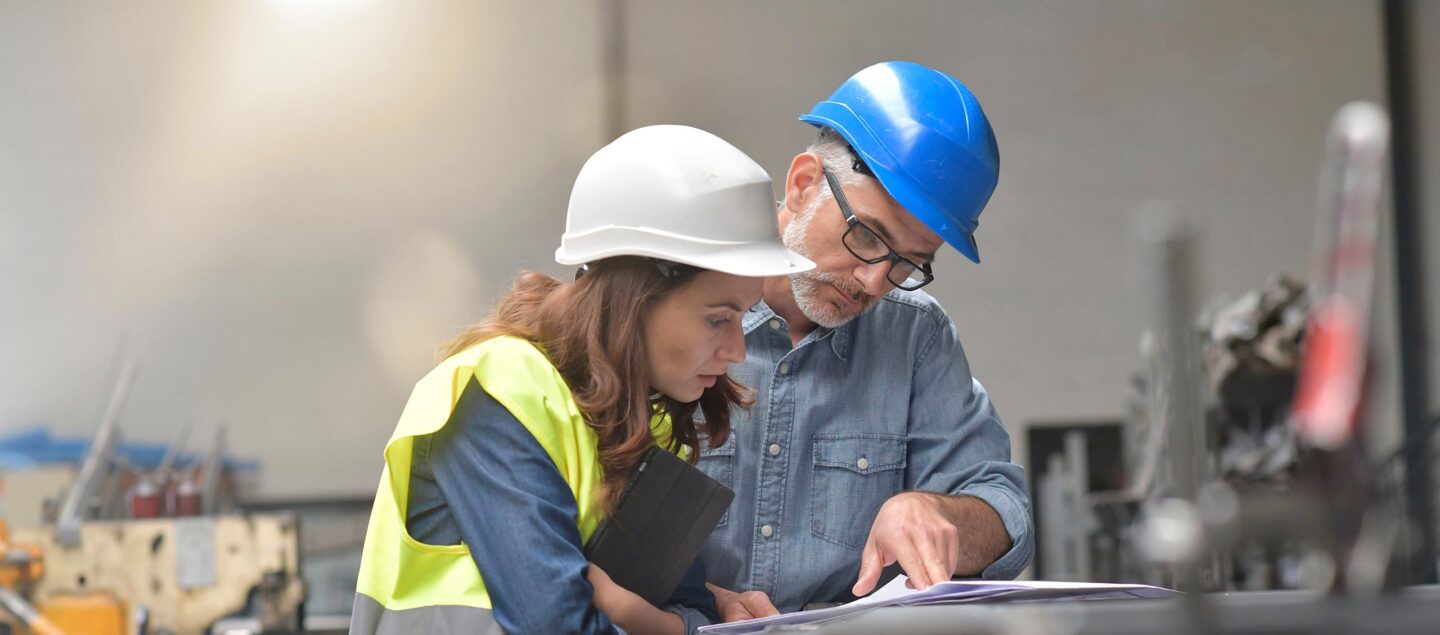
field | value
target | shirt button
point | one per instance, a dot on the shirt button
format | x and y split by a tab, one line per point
767	531
775	324
863	463
774	449
784	368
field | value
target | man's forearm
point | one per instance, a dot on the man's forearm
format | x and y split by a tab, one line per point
983	538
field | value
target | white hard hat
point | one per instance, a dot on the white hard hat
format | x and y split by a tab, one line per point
680	194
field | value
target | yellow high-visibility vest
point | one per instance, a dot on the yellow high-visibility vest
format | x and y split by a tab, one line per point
407	587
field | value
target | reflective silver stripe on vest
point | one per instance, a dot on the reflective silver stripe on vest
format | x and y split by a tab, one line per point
370	618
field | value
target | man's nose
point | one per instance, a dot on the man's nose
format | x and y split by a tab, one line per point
872	277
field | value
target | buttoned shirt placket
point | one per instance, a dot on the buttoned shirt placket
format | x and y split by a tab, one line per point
774	464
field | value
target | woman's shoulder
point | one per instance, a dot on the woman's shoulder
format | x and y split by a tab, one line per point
511	345
504	349
507	360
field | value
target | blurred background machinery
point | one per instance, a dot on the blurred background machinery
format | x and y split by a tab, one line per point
1251	461
139	539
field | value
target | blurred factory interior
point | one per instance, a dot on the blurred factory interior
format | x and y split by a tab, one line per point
232	235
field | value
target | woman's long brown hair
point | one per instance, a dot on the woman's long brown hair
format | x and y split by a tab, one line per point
591	330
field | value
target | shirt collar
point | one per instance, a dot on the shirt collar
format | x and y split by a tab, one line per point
756	316
839	337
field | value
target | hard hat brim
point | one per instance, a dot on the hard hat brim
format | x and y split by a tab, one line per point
749	259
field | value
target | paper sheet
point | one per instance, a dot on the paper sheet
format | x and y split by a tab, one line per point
953	592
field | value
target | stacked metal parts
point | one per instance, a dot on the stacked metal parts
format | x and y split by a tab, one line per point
1251	349
1252	353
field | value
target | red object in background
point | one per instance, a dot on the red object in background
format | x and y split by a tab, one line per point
1332	374
187	498
145	499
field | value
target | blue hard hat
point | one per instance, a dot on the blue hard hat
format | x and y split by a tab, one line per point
925	138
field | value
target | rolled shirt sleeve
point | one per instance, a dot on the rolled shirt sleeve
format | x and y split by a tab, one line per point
692	601
843	420
958	445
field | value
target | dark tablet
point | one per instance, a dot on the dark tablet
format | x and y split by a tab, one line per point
662	521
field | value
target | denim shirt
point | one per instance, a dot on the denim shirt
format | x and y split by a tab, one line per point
843	421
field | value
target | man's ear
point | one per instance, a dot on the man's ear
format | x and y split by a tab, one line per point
802	182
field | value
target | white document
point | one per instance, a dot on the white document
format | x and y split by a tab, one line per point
953	592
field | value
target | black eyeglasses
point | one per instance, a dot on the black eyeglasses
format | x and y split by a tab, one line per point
869	248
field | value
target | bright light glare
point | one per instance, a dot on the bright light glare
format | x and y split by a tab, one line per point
312	9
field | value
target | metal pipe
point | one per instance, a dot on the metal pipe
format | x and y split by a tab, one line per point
212	471
26	612
97	461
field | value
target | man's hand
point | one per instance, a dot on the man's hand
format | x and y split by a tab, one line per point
749	605
922	531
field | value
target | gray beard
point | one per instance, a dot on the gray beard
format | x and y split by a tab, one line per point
807	286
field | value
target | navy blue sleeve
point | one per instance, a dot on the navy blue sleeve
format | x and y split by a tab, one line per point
692	601
517	515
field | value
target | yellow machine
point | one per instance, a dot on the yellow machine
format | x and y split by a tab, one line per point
20	567
175	575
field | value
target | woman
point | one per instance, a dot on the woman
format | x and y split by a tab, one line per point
513	449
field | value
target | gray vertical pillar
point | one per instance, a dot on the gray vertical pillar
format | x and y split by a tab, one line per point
1404	65
1167	243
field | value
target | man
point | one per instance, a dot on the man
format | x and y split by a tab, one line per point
869	442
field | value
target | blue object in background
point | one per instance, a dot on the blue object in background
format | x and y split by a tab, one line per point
35	446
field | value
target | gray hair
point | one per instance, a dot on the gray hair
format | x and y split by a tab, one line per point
835	152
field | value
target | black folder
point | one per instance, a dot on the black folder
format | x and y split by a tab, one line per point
666	513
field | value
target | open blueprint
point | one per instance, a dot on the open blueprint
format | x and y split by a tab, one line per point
954	592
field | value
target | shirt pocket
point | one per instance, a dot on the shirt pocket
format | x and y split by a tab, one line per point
719	464
854	475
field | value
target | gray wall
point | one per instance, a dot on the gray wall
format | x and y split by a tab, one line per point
283	212
283	206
